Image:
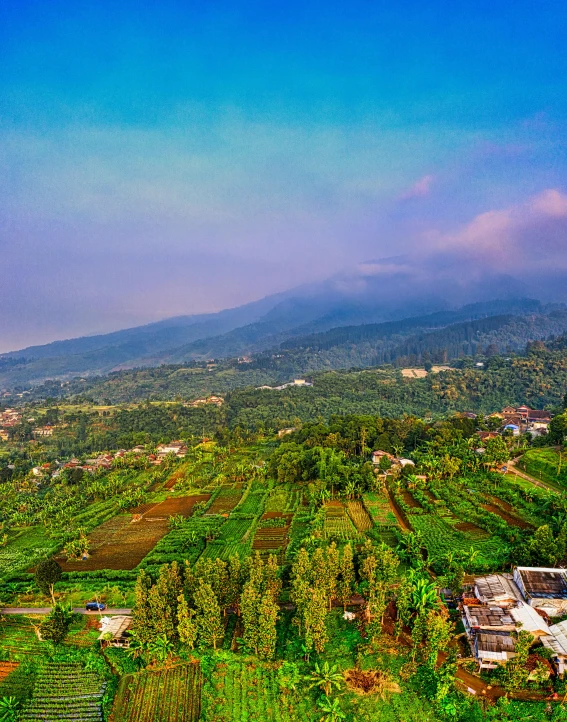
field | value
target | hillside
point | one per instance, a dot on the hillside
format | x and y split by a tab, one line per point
277	328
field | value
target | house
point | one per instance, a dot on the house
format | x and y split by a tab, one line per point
406	462
556	641
514	428
377	457
544	588
480	618
43	431
528	619
493	649
174	447
486	435
284	432
114	631
497	590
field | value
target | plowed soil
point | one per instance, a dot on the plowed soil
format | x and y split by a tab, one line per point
121	543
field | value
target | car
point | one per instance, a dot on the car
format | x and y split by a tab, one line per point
95	606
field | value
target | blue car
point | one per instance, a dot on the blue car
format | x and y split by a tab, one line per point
95	606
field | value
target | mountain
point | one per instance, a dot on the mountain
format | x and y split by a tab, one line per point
389	299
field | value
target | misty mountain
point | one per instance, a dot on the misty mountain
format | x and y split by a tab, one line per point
378	300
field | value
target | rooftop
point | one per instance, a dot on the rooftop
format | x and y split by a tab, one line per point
544	582
481	616
497	587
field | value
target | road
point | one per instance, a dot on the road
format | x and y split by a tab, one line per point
46	610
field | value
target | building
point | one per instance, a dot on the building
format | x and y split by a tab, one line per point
377	457
544	588
497	590
285	432
556	641
493	649
481	618
529	620
114	631
174	447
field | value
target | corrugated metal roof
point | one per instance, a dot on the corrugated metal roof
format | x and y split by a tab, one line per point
529	618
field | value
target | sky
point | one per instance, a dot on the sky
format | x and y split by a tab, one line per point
166	158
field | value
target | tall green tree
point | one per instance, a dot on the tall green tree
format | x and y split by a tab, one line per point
208	616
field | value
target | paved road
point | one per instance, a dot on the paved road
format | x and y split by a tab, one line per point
46	610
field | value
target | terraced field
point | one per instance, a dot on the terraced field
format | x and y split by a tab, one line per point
225	501
65	691
359	516
167	695
123	541
338	524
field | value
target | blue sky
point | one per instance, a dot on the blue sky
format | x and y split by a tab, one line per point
161	158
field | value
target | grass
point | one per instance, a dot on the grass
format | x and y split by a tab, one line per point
544	464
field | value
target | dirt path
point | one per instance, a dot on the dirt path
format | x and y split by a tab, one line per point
536	482
402	521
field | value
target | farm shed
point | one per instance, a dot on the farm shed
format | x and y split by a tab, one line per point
543	587
492	650
497	590
114	631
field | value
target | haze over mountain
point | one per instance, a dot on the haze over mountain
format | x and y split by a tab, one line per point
401	293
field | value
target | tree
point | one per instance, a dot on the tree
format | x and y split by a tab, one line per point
47	574
56	625
331	571
186	625
142	616
346	576
266	628
208	618
515	673
325	678
331	709
314	618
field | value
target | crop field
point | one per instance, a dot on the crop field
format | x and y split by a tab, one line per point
17	637
24	548
378	506
253	504
283	499
338	524
65	691
441	539
250	692
167	695
225	501
183	543
359	516
6	668
272	539
500	510
122	543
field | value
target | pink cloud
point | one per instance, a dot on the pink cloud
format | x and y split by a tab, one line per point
419	189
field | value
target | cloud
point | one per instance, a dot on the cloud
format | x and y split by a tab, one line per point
419	189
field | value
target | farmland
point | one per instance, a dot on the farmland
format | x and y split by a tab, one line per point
168	695
249	691
122	542
65	690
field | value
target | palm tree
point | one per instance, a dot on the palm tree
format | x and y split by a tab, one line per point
332	711
8	709
325	678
